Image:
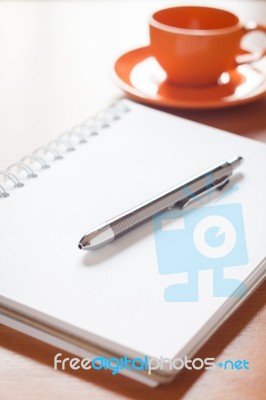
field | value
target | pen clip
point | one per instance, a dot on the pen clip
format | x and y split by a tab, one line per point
219	184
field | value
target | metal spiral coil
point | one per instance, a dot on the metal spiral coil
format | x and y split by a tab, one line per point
68	141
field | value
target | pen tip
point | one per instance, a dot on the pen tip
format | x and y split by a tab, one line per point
236	161
80	246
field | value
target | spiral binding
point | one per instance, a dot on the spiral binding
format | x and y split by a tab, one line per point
66	142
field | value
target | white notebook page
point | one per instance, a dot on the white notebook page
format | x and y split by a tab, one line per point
115	295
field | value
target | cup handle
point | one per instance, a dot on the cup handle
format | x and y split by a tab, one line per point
243	58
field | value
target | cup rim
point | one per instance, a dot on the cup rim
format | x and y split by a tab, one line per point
194	32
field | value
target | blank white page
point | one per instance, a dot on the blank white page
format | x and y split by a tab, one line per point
114	296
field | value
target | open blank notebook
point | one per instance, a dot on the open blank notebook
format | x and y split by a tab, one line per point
111	301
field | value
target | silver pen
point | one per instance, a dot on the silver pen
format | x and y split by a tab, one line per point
179	196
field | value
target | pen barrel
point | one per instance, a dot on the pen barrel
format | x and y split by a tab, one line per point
178	197
128	223
132	219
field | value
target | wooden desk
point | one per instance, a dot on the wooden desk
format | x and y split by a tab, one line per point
53	59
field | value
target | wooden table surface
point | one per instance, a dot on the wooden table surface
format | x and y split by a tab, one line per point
54	58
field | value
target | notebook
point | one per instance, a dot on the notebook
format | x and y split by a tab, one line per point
115	301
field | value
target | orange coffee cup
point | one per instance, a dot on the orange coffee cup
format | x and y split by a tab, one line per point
195	45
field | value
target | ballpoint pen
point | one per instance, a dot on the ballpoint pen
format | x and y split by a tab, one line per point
179	196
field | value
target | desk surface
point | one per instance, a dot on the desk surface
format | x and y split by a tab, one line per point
54	59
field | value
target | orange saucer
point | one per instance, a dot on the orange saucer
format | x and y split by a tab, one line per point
141	77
